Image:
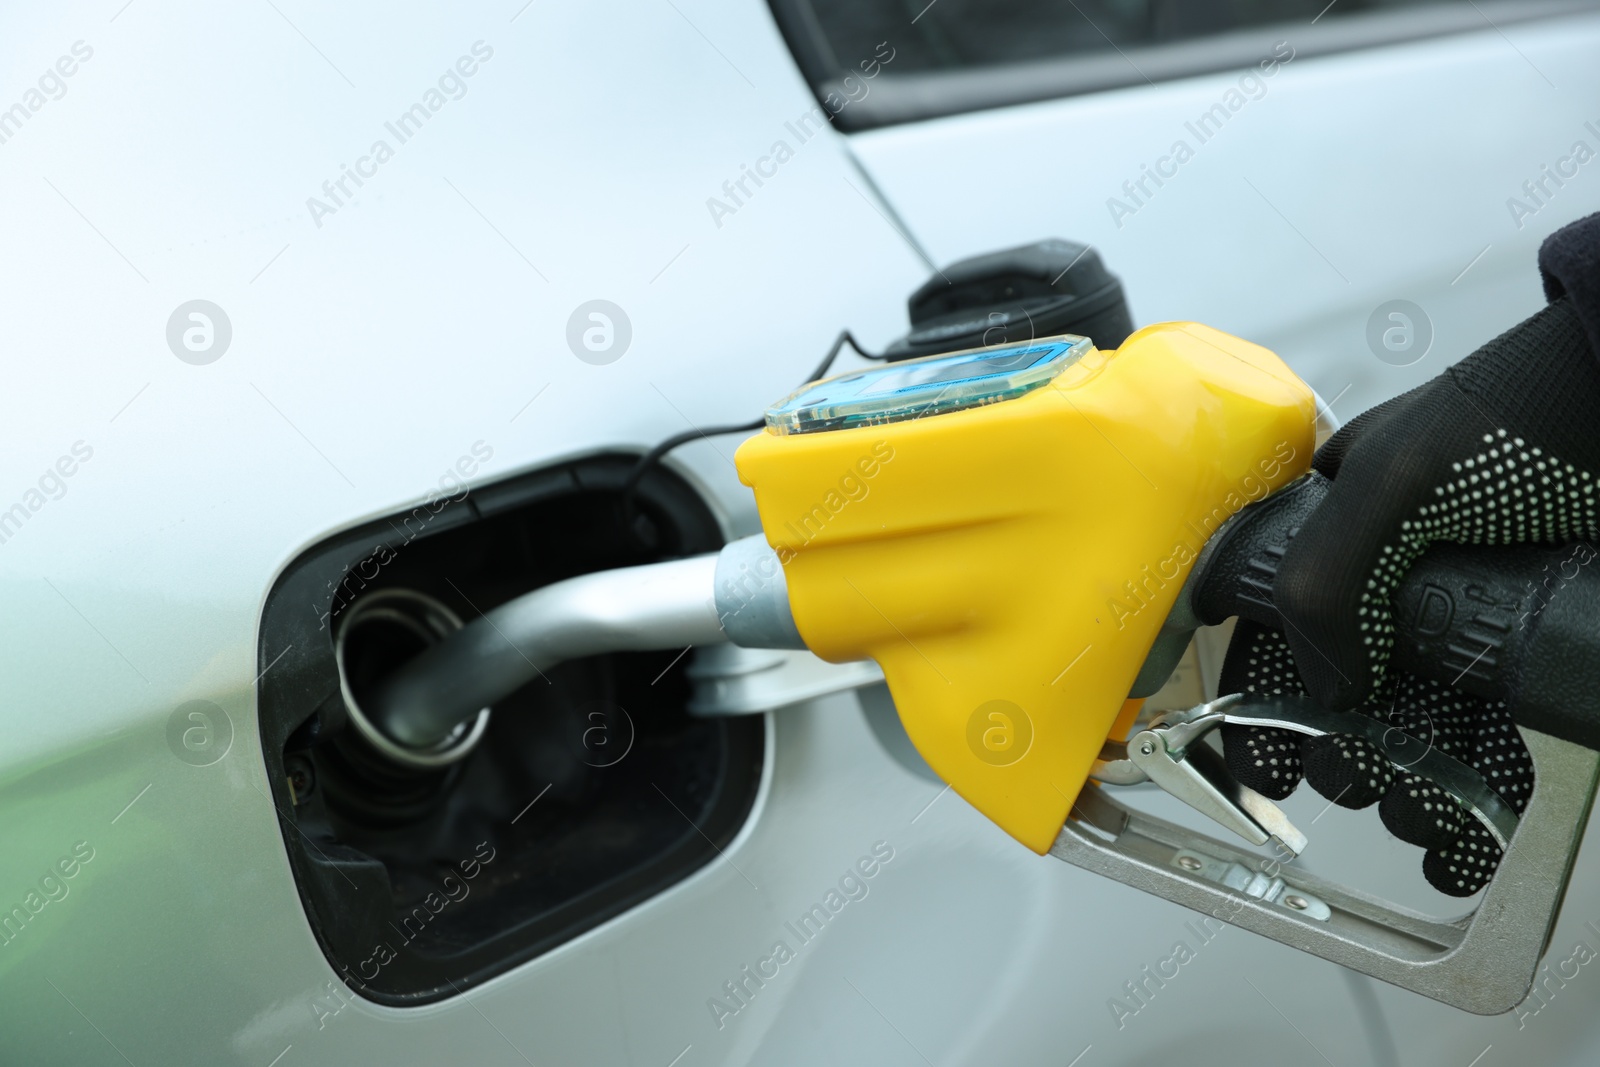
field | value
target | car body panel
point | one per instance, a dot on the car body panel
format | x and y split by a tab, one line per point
371	352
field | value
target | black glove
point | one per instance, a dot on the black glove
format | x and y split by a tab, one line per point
1350	771
1501	448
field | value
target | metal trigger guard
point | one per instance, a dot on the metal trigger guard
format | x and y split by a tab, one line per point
1484	961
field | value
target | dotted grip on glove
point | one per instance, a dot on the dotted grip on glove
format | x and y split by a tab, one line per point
1516	623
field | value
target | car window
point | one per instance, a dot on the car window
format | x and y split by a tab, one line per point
923	58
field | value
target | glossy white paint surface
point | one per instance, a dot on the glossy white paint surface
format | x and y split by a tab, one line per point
371	352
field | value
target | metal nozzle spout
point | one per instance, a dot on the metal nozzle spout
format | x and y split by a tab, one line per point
738	595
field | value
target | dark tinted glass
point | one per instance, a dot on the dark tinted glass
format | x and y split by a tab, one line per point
951	34
879	62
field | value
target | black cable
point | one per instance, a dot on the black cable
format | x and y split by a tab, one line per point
630	485
845	338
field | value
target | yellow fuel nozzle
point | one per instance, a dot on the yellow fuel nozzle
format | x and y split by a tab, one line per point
1004	531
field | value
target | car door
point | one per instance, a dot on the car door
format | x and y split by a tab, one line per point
1361	188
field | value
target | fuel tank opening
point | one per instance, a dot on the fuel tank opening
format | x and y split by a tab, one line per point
379	634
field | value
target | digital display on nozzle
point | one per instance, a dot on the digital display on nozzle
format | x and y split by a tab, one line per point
931	385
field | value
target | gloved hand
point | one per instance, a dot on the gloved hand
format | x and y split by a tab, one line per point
1350	771
1500	448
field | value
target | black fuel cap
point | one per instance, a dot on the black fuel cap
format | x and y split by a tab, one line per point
1049	287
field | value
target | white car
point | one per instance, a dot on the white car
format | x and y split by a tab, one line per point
311	311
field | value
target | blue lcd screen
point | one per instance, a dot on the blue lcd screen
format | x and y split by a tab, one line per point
942	371
928	386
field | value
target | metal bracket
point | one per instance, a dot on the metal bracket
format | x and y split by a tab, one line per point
730	680
1180	763
1482	962
1253	883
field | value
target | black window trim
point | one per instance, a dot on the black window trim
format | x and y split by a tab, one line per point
895	99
